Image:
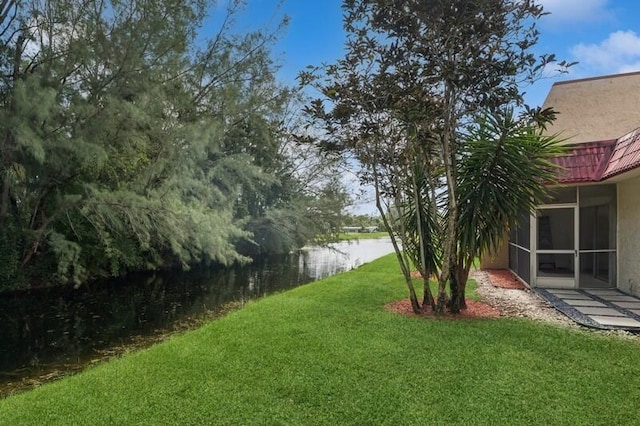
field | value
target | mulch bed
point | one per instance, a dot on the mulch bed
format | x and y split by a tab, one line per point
474	310
504	278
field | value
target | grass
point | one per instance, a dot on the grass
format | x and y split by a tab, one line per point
329	353
361	236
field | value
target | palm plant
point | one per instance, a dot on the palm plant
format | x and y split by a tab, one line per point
421	222
504	170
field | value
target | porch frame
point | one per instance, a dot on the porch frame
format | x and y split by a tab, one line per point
533	252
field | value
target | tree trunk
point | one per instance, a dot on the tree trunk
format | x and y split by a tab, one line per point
427	299
462	301
38	236
454	303
462	275
404	264
448	157
443	299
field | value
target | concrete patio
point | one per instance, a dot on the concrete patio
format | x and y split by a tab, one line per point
607	309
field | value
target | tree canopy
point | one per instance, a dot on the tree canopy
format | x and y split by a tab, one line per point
127	142
424	98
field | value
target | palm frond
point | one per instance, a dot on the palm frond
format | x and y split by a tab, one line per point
505	169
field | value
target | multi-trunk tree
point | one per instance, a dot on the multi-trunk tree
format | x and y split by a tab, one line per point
424	97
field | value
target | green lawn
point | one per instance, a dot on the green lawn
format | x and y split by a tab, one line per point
328	353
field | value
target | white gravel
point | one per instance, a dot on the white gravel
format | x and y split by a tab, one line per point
527	304
518	303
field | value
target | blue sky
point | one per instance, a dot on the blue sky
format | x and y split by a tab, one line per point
602	35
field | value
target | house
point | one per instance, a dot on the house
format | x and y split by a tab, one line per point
587	234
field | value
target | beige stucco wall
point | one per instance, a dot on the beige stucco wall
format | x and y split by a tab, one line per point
595	109
499	259
629	236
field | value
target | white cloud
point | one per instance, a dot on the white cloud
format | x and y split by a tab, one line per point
564	11
630	67
620	52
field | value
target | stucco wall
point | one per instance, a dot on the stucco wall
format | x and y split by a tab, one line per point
595	109
629	236
499	259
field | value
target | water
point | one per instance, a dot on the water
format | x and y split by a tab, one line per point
48	327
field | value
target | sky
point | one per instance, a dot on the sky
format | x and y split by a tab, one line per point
603	36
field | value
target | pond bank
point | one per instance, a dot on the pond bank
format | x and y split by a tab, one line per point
47	333
31	377
329	353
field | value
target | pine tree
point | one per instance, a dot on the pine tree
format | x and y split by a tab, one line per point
125	143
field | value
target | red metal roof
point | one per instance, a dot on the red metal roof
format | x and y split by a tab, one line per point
597	161
626	155
584	162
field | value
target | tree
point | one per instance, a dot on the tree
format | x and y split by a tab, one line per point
125	142
301	200
421	81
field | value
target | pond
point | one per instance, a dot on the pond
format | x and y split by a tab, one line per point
52	329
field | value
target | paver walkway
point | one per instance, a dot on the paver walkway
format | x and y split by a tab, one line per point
608	309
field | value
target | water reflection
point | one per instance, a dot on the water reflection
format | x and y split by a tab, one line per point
59	326
318	262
